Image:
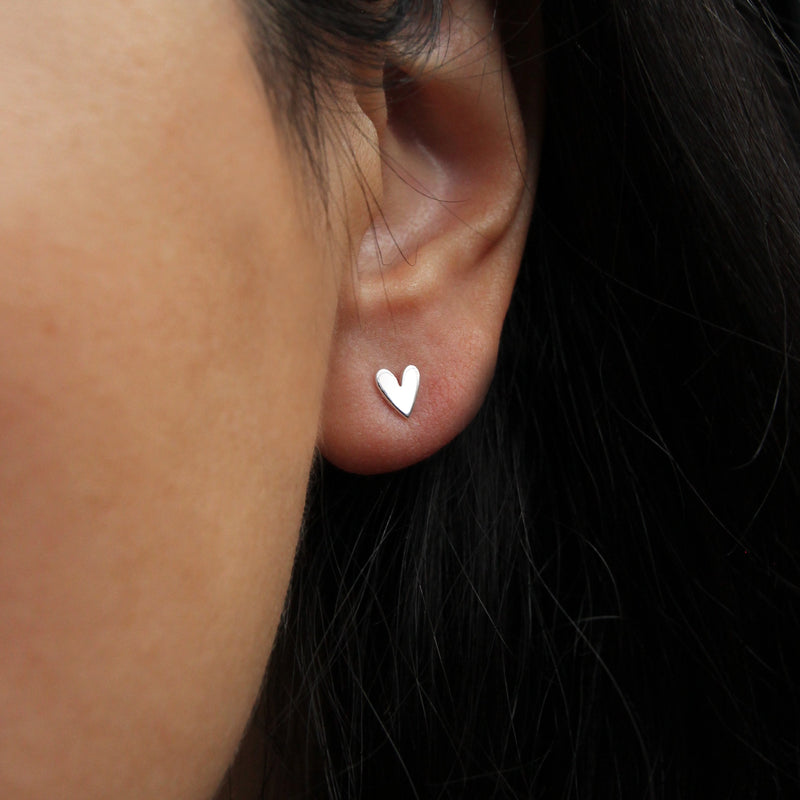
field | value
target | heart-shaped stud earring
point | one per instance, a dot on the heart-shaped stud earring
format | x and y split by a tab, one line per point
401	397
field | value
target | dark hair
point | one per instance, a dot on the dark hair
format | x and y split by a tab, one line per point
595	590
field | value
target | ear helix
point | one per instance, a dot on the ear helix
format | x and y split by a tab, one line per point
400	396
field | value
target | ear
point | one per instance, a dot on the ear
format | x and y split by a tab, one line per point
433	276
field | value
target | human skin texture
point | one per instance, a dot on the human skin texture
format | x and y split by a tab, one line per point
166	309
181	324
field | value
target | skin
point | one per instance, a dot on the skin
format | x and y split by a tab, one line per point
180	325
160	283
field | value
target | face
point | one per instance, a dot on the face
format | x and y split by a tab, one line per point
166	308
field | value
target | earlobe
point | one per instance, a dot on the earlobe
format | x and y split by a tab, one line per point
433	276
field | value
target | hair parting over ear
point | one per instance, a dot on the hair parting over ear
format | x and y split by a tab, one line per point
303	49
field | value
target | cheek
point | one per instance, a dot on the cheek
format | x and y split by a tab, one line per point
164	324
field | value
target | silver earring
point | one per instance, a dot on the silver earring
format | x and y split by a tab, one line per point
401	397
